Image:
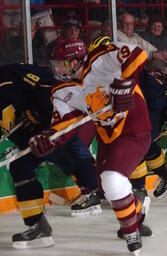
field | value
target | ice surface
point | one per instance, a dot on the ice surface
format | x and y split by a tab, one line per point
89	235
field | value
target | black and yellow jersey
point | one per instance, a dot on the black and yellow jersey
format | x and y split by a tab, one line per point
23	85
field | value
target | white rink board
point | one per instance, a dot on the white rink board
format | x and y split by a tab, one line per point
87	236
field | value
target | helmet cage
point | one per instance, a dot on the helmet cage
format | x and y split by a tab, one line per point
67	51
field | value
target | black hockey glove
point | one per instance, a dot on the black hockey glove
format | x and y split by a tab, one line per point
31	118
121	94
30	121
34	119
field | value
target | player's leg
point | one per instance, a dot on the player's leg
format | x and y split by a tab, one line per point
86	176
138	180
155	159
117	187
87	132
118	190
67	165
29	194
74	158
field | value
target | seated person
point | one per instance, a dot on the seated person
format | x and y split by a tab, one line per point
71	30
16	53
126	34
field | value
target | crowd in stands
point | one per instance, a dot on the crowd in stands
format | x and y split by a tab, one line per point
134	26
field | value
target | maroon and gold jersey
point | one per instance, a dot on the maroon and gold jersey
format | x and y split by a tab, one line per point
105	63
74	98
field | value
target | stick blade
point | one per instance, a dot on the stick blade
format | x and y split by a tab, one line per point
58	200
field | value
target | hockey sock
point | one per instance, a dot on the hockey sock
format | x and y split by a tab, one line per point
125	211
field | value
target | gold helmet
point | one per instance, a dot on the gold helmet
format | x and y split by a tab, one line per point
101	40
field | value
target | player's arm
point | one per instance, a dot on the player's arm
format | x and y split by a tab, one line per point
121	93
63	116
131	60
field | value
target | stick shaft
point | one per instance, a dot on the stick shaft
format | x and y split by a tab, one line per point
58	134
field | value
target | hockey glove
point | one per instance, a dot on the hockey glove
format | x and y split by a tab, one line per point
121	94
41	145
30	125
32	118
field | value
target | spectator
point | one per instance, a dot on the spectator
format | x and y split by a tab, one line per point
44	18
126	34
71	30
16	47
12	17
105	28
143	22
155	34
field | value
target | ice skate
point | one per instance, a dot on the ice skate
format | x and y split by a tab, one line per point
142	195
160	188
134	242
38	235
143	229
89	205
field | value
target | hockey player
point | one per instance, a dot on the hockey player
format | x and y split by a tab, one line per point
109	76
154	93
153	87
155	158
25	90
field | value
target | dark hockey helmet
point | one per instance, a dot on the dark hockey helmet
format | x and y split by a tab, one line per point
101	40
68	50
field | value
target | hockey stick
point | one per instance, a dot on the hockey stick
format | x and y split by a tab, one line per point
58	134
61	201
161	134
12	131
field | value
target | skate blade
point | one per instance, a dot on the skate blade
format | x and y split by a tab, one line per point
146	205
93	210
161	196
155	186
136	253
36	243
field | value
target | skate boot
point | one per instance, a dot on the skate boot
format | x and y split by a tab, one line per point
144	231
38	235
134	242
142	195
161	189
89	205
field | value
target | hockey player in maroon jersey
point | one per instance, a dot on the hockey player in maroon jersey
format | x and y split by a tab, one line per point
108	75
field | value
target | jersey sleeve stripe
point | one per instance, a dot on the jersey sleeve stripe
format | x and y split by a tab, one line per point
134	64
95	54
63	125
64	85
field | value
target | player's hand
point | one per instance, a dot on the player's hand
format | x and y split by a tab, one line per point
31	117
121	94
41	145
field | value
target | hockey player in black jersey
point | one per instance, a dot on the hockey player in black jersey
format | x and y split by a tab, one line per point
153	85
25	97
